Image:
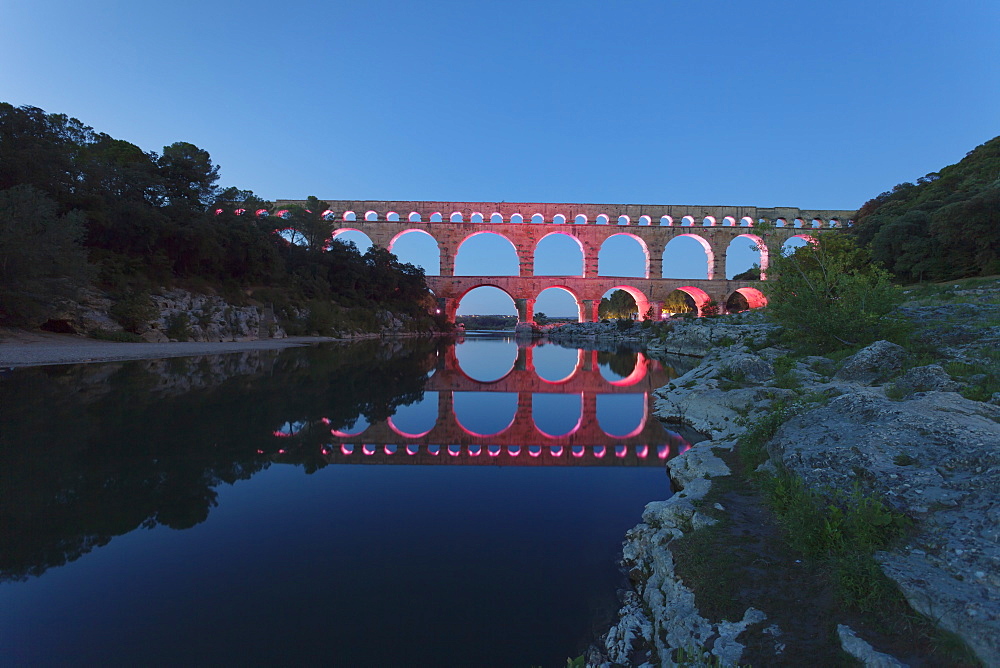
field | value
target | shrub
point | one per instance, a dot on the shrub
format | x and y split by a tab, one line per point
133	311
178	327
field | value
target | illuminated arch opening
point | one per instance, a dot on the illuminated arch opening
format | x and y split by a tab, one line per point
292	236
729	221
781	222
616	366
559	254
417	419
645	220
485	414
487	254
456	217
687	221
623	254
602	219
792	244
640	299
677	302
486	300
555	364
436	217
743	254
699	296
559	219
622	415
709	221
688	256
419	248
350	216
537	219
516	218
496	218
328	215
624	220
557	415
357	426
371	215
580	219
746	221
350	235
414	217
476	217
799	223
744	299
392	216
558	301
666	221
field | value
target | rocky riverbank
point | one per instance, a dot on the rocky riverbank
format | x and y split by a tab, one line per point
886	421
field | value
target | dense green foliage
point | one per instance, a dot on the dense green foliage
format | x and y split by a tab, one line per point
147	220
828	294
945	226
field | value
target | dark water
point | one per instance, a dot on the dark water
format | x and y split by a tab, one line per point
402	504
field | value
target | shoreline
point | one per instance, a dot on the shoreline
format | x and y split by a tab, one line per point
22	348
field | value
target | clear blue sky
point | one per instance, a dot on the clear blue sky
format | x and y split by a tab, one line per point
816	105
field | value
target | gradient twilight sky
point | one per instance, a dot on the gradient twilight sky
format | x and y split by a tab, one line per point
770	103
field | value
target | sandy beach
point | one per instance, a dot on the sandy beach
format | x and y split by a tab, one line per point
20	348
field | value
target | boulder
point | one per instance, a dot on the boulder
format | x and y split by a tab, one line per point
877	362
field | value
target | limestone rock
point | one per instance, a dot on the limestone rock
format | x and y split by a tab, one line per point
873	363
864	652
925	379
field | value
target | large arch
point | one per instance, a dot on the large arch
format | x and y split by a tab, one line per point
641	300
553	302
479	255
699	296
500	404
680	257
742	299
491	298
417	247
615	246
354	235
553	255
741	256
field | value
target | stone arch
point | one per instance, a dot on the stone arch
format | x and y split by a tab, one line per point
392	216
575	368
476	217
456	217
460	260
350	217
666	221
668	264
292	236
496	218
744	253
559	219
580	219
642	246
699	296
430	399
750	297
645	220
602	219
436	217
554	236
729	221
746	221
340	231
537	219
708	221
414	217
519	217
371	215
431	267
687	221
798	222
641	300
780	222
568	290
624	220
328	215
504	401
539	407
605	399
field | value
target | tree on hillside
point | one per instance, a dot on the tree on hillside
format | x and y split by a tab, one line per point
829	293
188	175
307	221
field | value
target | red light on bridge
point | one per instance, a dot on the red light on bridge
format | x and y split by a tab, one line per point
346	448
494	450
577	451
621	451
600	451
412	449
662	451
642	451
368	449
556	450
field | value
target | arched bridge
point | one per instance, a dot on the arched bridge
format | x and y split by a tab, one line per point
524	224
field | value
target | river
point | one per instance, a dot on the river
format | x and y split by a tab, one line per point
370	504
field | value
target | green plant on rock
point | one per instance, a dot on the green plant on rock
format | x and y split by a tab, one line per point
133	311
178	327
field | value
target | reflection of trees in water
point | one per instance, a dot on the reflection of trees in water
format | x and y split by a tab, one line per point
620	362
81	464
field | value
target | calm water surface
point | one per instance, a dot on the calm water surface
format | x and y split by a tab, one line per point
416	503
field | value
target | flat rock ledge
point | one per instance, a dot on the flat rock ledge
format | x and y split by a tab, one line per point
934	456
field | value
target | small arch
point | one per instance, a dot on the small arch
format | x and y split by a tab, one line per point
328	215
350	217
746	221
817	223
580	219
414	217
799	223
436	217
559	219
729	221
496	218
262	213
371	215
476	217
781	222
602	219
392	216
709	221
624	220
687	221
284	214
537	219
517	218
645	220
666	221
456	217
834	222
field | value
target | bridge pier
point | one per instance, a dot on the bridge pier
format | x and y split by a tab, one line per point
525	310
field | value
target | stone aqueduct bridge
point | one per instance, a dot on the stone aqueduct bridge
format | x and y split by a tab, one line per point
525	224
521	442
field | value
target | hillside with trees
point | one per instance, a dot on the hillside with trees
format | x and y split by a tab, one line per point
81	209
945	226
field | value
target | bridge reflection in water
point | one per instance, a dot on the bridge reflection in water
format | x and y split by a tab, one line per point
521	442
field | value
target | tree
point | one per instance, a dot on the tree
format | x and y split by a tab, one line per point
41	257
829	293
188	175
